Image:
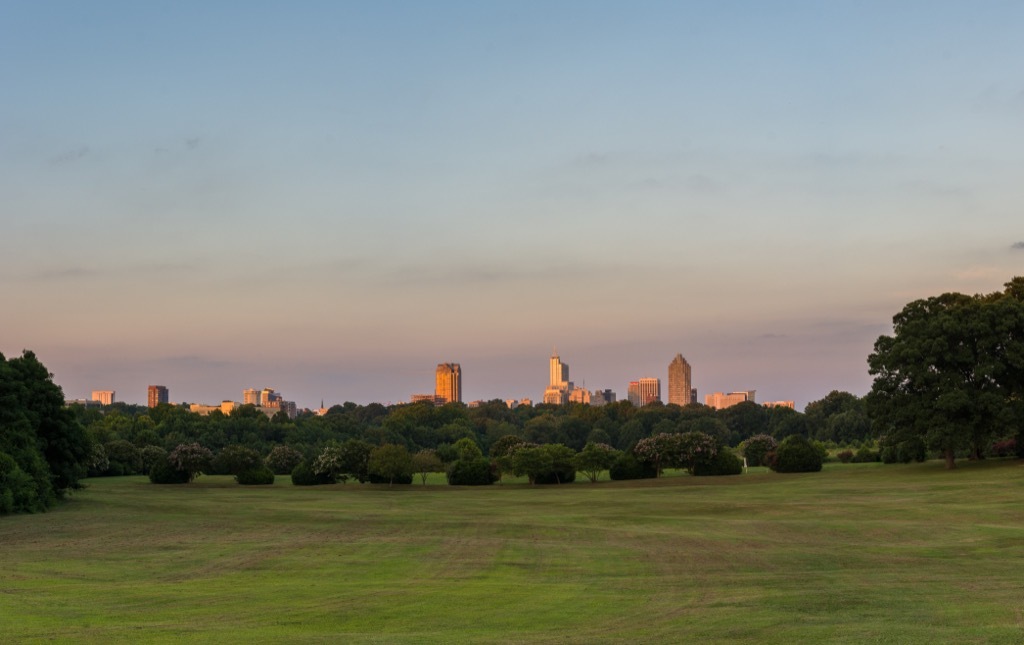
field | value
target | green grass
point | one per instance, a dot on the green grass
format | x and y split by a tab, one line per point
860	553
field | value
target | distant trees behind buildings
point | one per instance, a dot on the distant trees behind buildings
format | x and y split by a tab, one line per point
479	445
128	439
948	382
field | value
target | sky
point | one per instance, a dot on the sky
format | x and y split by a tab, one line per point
330	198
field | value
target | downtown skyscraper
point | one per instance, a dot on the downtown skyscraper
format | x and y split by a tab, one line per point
155	395
448	383
644	391
680	382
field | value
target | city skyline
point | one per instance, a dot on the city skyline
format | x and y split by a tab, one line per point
330	196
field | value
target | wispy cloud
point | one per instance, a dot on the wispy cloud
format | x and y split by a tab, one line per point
77	272
69	156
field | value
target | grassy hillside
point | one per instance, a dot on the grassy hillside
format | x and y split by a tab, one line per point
857	553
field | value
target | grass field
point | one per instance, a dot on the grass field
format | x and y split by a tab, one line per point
860	553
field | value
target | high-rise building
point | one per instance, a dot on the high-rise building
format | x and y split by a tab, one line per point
432	399
105	397
448	382
559	386
679	382
251	396
580	395
269	398
602	397
720	401
645	391
156	395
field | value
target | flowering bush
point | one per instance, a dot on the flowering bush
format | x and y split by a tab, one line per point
660	450
330	464
190	458
665	450
283	459
1007	448
695	448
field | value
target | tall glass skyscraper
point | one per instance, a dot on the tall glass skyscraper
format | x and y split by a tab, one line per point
680	386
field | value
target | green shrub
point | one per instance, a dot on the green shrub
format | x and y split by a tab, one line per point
150	455
18	492
629	467
163	472
235	459
255	477
796	455
866	455
756	449
723	463
472	472
303	475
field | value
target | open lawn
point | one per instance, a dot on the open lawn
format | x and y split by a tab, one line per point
859	553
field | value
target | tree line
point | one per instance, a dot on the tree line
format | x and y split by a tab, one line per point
949	381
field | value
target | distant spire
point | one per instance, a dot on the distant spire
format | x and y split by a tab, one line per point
554	352
321	404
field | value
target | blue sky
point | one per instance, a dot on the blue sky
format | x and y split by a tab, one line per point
331	198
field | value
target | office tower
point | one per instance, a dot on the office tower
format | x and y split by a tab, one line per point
105	397
721	401
448	382
156	395
645	391
679	381
559	386
580	395
269	398
633	393
559	372
251	396
602	397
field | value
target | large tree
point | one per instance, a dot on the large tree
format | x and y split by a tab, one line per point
44	450
391	462
951	373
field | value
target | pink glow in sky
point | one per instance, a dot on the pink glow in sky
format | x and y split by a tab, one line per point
332	199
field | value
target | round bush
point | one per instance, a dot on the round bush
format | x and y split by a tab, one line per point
162	472
866	455
796	455
629	467
723	463
303	475
255	477
471	472
757	448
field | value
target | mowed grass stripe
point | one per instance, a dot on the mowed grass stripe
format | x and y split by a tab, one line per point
857	553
